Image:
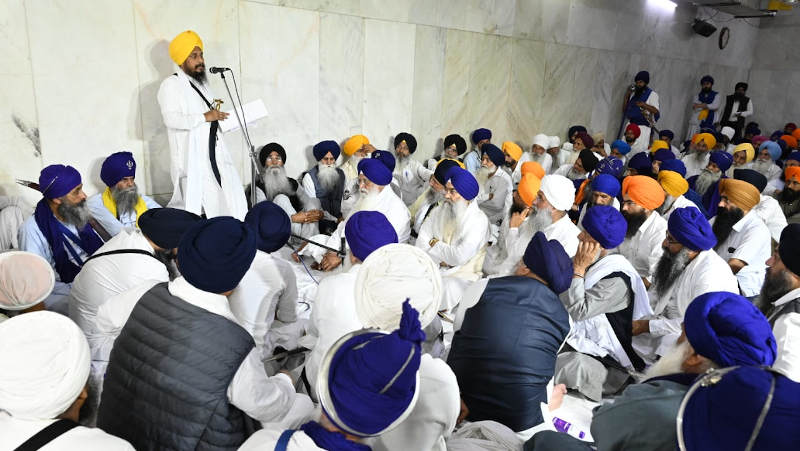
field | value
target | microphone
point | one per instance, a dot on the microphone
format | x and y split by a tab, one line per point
218	70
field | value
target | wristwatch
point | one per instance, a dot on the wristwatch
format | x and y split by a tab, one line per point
433	242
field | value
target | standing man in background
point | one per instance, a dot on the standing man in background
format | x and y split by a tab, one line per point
704	107
641	100
737	107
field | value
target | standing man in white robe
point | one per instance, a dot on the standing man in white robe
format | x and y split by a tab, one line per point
203	174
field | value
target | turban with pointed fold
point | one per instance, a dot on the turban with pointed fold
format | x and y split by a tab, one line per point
58	180
747	148
548	260
606	225
323	147
691	229
411	142
673	183
116	167
512	149
528	187
366	231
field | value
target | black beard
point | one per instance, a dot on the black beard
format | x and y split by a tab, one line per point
775	286
168	259
199	75
77	214
630	141
788	196
669	267
635	221
705	90
639	90
723	225
737	96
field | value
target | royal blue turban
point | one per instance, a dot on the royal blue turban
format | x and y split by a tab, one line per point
674	165
58	180
165	226
663	155
707	79
667	133
612	166
773	148
496	155
385	157
643	76
729	330
789	247
116	167
641	162
411	142
549	260
605	183
752	177
367	231
461	144
621	146
215	254
440	173
375	171
271	224
368	379
323	147
606	225
463	182
691	229
481	134
722	159
776	135
794	156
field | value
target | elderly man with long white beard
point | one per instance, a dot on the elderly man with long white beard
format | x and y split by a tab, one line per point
355	148
326	182
410	174
697	158
768	153
641	196
674	186
496	185
432	196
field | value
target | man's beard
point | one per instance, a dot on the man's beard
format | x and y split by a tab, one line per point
739	97
448	219
516	208
671	362
635	221
199	75
125	198
367	200
483	175
705	179
402	162
775	286
75	214
328	176
723	224
575	175
669	267
276	182
538	158
705	90
630	139
789	196
168	259
763	167
639	90
539	221
668	201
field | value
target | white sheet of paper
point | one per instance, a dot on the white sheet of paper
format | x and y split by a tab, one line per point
253	111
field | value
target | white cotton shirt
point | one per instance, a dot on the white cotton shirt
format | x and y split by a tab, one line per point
395	211
499	186
644	249
787	336
15	432
680	202
565	232
769	210
266	439
467	241
750	242
115	225
693	165
411	180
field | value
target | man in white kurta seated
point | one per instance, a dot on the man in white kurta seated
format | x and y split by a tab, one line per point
539	151
580	169
519	226
44	365
325	182
699	151
675	186
495	185
641	196
768	208
204	176
769	152
356	148
120	204
13	211
411	175
432	196
554	199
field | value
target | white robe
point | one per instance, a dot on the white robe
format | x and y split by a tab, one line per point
194	187
499	186
411	180
693	165
13	211
16	432
769	210
680	202
644	249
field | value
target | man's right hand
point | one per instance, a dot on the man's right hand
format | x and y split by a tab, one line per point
518	218
215	115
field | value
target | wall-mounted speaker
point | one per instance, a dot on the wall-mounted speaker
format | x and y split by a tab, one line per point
703	28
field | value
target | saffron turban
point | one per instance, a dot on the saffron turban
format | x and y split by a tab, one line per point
463	182
741	193
559	191
667	133
794	156
634	129
116	167
606	225
265	151
271	224
747	148
588	160
691	229
460	143
549	260
26	279
366	231
369	380
585	139
673	183
707	79
789	247
612	166
165	226
181	47
532	167
555	141
643	76
375	171
707	138
411	142
44	365
643	190
674	165
752	177
792	172
796	133
528	187
495	155
353	144
722	159
513	150
323	147
605	183
658	145
621	146
663	155
385	157
729	330
215	254
641	163
773	148
444	165
790	141
543	141
481	134
58	180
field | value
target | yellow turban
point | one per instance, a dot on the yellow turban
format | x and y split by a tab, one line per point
532	167
673	183
353	144
513	150
643	190
528	187
181	47
748	150
708	138
658	145
742	194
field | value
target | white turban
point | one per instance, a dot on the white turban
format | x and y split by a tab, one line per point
26	279
388	277
542	140
728	131
559	191
787	335
44	365
555	141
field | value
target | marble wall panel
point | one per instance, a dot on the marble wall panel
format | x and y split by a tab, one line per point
543	20
593	24
527	90
457	66
560	64
610	81
489	85
426	108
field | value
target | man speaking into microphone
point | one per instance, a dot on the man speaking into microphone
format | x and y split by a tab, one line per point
641	100
203	175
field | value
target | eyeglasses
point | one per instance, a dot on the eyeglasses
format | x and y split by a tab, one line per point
670	240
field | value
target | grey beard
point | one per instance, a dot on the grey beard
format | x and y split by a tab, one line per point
168	259
575	175
75	214
763	167
705	180
125	199
668	201
775	286
668	270
402	162
276	182
538	158
539	221
448	219
328	177
671	362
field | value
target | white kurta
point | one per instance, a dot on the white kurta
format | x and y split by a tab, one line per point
13	211
693	165
499	187
749	242
644	249
266	439
769	210
411	180
194	187
16	432
115	225
787	334
680	202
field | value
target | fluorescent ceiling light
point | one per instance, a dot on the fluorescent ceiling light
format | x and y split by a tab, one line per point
666	5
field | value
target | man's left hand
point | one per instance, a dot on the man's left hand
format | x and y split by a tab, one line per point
641	326
330	261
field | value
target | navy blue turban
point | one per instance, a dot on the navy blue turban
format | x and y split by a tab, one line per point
215	254
606	225
271	224
691	229
58	180
789	247
707	79
461	144
663	155
440	173
752	129
643	76
481	134
375	170
722	159
367	231
575	129
641	162
752	177
411	142
667	133
729	330
463	182
549	260
116	167
385	157
165	226
674	165
263	154
323	147
741	84
496	155
368	379
605	183
623	147
612	166
794	156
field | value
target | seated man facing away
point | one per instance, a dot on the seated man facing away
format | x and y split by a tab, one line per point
26	280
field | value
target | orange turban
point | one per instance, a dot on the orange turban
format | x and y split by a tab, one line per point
528	188
707	138
532	167
796	133
748	149
790	140
658	145
792	172
673	183
742	194
512	149
354	143
181	47
643	190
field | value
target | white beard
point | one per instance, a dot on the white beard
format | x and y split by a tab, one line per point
763	166
328	176
402	163
671	362
483	175
705	180
448	219
367	200
700	157
668	201
276	182
575	175
538	158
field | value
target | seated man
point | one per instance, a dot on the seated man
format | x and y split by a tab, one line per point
13	211
674	186
641	196
769	152
44	364
432	196
508	331
699	149
539	152
410	174
640	164
706	183
120	205
496	185
631	135
326	182
610	166
453	146
620	149
789	198
780	294
603	190
206	362
659	156
26	280
668	136
580	169
513	166
743	156
768	208
472	160
60	230
556	195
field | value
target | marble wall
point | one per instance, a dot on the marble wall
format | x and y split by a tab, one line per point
81	76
